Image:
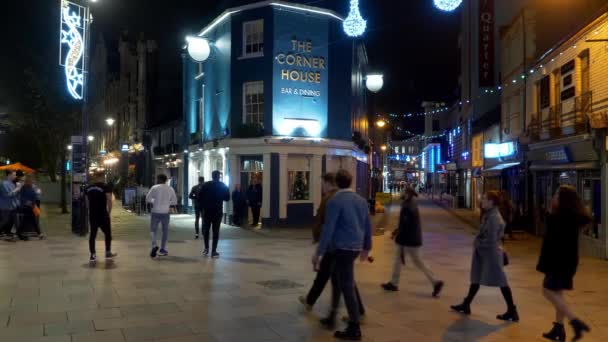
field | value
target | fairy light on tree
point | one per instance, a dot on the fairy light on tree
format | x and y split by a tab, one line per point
354	25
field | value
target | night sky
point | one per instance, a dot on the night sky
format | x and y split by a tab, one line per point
411	42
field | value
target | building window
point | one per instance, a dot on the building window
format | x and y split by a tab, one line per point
299	185
544	93
253	102
253	38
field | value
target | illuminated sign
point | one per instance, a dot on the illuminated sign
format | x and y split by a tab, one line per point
499	150
300	76
124	147
74	21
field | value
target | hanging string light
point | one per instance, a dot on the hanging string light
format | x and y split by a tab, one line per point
447	5
354	25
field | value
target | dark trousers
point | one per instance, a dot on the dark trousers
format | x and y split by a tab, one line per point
198	213
237	215
255	211
7	221
343	283
212	222
102	223
29	222
323	276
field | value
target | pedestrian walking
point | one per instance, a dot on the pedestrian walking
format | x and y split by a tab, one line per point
198	212
489	259
29	208
239	205
99	202
347	234
162	197
408	242
9	199
558	259
213	196
254	199
324	271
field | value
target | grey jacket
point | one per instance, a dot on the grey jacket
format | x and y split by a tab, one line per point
487	263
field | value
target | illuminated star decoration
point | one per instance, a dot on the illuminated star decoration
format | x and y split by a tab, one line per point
73	39
447	5
354	25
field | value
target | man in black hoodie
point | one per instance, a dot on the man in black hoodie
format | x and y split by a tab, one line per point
213	194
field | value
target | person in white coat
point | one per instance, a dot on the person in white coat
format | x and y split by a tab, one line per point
162	197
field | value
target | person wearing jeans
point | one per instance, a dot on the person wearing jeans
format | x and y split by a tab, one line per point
9	193
347	234
162	197
213	194
408	241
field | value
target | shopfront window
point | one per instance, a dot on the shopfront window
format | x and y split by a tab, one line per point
591	196
253	38
253	110
299	185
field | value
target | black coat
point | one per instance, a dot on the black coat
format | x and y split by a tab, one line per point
410	231
254	195
559	252
238	199
212	196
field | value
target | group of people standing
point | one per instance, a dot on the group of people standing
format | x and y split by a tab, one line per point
343	232
19	208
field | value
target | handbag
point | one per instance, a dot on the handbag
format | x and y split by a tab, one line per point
36	211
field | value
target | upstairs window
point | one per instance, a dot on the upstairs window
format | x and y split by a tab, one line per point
253	102
253	38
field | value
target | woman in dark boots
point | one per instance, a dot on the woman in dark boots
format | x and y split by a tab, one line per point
559	258
488	259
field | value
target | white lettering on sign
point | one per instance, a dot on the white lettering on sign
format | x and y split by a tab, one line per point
301	92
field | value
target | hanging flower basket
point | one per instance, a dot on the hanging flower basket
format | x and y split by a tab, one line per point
598	119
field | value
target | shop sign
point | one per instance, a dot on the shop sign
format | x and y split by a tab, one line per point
476	143
557	156
499	150
300	81
486	43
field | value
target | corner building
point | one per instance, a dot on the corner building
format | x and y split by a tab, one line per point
277	102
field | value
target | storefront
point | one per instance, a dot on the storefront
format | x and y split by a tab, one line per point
569	161
258	105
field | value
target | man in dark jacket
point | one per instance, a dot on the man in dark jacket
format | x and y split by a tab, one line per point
99	200
213	194
254	197
239	205
408	240
194	196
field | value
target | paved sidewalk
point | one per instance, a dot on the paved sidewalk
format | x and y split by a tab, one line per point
48	293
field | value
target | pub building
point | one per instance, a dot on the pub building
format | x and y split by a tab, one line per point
274	93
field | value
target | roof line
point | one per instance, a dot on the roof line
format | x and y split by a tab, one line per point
277	3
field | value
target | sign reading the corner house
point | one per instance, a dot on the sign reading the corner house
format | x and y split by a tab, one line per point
301	69
301	65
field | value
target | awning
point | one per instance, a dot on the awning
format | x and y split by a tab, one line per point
591	165
497	169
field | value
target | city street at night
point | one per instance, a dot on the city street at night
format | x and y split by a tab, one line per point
49	293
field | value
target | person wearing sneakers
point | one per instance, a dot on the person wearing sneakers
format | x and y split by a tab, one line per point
162	197
347	234
487	265
558	259
213	195
408	242
99	202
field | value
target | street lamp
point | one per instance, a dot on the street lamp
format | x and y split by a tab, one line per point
110	121
383	147
90	138
380	123
69	147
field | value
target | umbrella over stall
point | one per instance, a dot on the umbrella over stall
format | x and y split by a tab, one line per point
17	167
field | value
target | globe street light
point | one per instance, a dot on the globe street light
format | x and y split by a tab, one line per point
383	147
110	121
90	138
374	82
380	123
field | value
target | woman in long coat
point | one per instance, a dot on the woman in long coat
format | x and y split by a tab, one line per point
488	259
559	258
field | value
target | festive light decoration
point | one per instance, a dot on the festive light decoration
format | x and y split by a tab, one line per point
72	26
447	5
354	25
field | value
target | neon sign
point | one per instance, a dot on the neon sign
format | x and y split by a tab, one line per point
73	28
354	25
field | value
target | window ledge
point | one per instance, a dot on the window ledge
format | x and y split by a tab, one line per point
250	56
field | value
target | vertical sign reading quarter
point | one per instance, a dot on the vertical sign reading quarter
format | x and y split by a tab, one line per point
486	43
300	75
